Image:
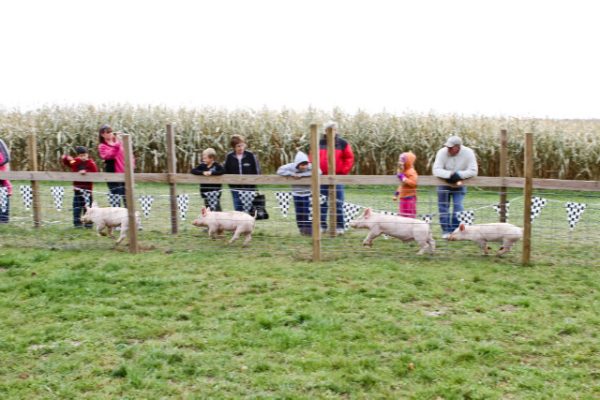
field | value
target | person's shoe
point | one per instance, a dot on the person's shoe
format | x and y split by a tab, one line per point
445	236
339	231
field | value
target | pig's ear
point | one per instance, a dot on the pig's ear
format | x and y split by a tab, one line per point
204	212
367	213
461	226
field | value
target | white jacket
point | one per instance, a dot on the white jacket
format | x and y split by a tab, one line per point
465	163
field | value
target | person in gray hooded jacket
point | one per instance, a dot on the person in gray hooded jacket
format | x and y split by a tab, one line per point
301	167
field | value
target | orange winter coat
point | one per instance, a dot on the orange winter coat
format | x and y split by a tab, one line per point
409	186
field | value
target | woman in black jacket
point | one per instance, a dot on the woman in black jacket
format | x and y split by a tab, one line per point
241	162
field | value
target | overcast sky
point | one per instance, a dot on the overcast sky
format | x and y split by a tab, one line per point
513	58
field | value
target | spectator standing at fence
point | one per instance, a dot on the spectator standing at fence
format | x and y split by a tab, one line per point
82	191
5	185
301	167
453	163
407	190
209	167
110	149
344	161
240	162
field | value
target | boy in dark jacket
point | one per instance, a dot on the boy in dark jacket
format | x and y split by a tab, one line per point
210	192
82	194
240	162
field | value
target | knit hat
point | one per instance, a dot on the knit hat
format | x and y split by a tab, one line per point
81	150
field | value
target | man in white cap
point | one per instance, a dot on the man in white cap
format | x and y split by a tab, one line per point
453	163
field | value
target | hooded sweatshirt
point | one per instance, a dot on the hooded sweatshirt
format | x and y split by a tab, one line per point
408	187
5	182
291	169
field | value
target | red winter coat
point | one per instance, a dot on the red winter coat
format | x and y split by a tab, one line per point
344	157
76	165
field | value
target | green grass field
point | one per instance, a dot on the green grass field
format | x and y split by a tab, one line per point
195	318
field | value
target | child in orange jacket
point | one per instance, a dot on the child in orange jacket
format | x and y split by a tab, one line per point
407	190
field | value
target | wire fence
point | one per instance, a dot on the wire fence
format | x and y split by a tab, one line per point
564	230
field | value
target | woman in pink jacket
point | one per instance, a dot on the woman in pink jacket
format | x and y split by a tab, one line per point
111	151
5	187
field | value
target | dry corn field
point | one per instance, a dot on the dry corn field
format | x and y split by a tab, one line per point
565	149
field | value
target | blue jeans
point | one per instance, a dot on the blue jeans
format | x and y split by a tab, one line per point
449	220
302	204
339	206
79	208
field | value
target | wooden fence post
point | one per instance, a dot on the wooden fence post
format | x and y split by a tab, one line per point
332	198
503	172
172	169
316	194
528	190
130	194
35	185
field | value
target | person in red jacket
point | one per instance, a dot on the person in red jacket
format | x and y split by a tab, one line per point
344	161
82	190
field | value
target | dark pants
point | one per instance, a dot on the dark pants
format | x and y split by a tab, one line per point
79	208
339	206
118	188
4	214
302	204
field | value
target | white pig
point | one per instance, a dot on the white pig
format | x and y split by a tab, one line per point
502	232
219	221
109	218
405	229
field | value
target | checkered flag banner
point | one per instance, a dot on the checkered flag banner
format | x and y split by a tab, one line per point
574	212
212	198
3	199
26	195
426	217
283	199
537	203
246	197
322	199
58	194
467	217
496	208
350	212
146	204
87	197
183	203
114	199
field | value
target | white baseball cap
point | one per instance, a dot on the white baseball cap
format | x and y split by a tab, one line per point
453	141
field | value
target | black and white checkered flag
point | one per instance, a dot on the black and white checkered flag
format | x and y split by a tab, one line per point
26	195
114	199
574	212
3	199
213	199
350	212
58	194
246	197
87	197
146	204
426	217
322	199
496	208
183	203
537	203
283	200
467	217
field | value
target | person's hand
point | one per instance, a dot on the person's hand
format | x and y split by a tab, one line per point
401	176
454	178
207	173
83	172
68	157
296	176
395	198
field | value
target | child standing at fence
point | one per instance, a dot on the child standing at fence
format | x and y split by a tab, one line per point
5	185
210	192
407	190
82	191
241	162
